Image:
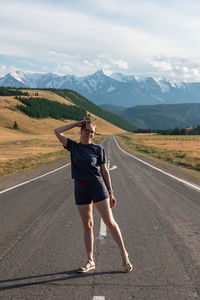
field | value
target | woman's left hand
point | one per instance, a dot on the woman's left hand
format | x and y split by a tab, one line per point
112	200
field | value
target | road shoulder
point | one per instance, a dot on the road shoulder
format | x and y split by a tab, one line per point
178	171
9	181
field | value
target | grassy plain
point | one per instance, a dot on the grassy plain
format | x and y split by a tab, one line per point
34	143
181	150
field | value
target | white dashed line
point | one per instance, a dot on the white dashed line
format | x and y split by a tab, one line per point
102	233
98	298
113	168
108	164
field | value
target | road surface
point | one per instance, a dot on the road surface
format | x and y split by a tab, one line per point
41	237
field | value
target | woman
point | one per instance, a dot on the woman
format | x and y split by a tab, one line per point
92	183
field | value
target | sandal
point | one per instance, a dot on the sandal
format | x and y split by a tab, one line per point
127	267
90	265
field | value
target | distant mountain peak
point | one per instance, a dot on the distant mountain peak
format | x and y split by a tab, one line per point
100	72
18	75
116	89
122	77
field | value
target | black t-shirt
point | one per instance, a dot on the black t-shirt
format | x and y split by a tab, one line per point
86	160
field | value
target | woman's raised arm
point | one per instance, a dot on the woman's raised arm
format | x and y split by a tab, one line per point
58	131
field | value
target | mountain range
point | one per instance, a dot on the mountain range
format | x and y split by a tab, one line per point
116	89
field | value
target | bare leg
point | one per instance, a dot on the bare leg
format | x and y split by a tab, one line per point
106	213
87	220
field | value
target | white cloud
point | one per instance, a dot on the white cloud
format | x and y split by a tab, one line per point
70	35
63	69
90	64
45	69
177	67
107	63
167	15
5	70
28	63
64	55
162	65
120	64
185	69
176	22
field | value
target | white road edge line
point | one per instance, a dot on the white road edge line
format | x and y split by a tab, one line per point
168	174
15	186
25	182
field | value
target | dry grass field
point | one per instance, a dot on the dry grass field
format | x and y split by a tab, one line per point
34	143
48	95
182	150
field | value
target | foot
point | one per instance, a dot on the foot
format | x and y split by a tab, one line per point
127	266
90	265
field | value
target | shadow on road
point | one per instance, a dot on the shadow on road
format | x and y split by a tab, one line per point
66	275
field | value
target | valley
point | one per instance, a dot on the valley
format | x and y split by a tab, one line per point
159	116
33	142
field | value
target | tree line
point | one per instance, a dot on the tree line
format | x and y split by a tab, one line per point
174	131
44	108
4	91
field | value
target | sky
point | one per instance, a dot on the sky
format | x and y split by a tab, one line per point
137	37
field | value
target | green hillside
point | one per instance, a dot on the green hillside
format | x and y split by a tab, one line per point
114	109
84	103
44	108
164	116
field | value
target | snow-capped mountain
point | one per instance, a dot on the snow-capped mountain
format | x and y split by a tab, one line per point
117	89
122	77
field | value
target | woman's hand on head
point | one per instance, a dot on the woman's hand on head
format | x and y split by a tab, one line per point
112	200
81	123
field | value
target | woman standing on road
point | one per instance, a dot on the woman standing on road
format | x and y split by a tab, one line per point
92	183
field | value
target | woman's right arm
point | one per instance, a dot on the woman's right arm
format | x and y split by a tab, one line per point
58	131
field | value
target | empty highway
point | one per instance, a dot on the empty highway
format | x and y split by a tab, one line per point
41	237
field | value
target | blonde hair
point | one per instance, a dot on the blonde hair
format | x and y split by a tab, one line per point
88	122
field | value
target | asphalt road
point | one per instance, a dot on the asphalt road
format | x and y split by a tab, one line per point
41	238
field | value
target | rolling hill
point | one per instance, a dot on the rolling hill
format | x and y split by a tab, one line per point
27	142
89	106
9	112
163	116
114	109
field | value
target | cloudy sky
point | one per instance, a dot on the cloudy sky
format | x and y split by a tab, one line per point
139	37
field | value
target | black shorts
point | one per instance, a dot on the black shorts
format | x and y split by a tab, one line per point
86	191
